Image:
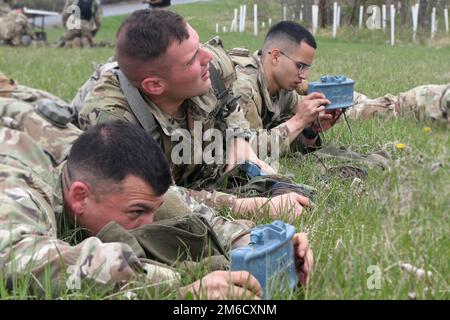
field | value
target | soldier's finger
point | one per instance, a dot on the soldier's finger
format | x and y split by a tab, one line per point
325	116
242	293
314	95
307	268
301	244
246	280
304	201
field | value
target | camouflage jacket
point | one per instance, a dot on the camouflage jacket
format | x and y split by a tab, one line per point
106	101
32	155
261	110
424	102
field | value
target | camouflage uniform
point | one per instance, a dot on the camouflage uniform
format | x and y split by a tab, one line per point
424	102
106	101
4	7
13	25
32	158
83	36
261	110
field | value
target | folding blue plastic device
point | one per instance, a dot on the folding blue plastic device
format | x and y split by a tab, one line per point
269	257
337	89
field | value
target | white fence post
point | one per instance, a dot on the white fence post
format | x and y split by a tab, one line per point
361	12
446	19
301	14
270	22
245	17
383	16
233	26
433	23
334	19
284	13
392	25
241	11
315	18
415	18
217	28
255	20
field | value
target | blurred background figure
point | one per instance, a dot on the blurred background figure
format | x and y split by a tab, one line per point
82	20
15	29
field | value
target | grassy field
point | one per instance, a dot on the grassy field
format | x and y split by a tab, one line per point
404	215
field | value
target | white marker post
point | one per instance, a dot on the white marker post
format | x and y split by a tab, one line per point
361	12
392	25
433	23
224	29
446	19
334	19
245	17
415	19
217	28
300	16
255	20
270	22
315	18
374	18
284	13
233	27
263	25
241	17
383	16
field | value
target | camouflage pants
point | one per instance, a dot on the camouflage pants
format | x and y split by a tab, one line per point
76	39
424	102
79	38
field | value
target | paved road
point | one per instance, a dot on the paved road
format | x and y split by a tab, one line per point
116	9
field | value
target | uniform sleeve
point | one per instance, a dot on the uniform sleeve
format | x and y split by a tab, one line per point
105	102
232	233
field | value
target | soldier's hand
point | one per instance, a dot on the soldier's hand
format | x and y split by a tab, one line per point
327	120
221	285
290	204
304	259
310	107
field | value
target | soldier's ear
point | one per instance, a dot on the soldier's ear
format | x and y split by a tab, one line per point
78	195
153	86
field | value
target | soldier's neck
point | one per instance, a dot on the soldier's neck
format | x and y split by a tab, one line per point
271	83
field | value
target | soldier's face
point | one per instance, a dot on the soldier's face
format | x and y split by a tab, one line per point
287	73
130	204
189	72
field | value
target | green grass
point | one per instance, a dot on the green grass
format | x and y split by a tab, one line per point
403	217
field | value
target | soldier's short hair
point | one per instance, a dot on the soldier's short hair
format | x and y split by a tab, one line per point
111	151
146	35
290	31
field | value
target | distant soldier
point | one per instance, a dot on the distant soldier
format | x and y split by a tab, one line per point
15	29
157	4
82	20
424	102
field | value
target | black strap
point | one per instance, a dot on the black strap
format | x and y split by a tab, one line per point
138	105
227	102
